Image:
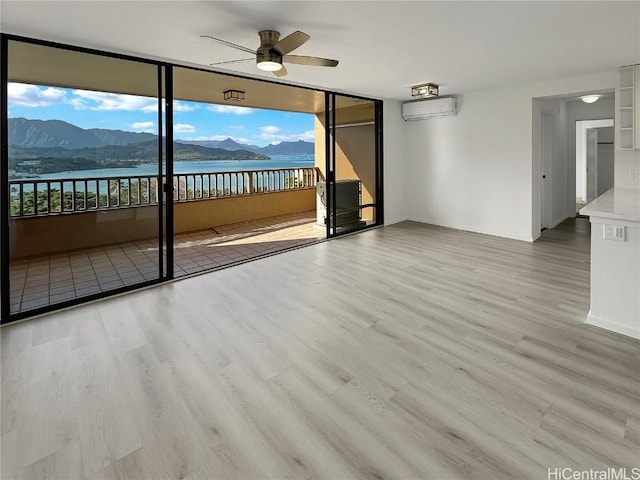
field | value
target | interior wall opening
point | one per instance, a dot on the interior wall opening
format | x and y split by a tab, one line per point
594	159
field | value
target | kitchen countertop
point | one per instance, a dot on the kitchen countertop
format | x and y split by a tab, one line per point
619	203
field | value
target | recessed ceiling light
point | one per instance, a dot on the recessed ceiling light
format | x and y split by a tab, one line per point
590	98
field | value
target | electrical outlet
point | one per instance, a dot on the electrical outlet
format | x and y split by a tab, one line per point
635	175
614	232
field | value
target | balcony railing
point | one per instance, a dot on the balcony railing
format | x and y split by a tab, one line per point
55	196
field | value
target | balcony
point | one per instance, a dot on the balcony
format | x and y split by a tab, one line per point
76	237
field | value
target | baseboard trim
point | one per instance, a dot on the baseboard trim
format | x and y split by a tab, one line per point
612	326
558	222
473	230
395	220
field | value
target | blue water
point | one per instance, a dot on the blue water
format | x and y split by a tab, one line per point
276	161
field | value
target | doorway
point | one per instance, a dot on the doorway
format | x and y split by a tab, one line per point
594	160
349	201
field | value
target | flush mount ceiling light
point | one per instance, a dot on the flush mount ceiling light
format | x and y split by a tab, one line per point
270	65
590	98
233	95
425	90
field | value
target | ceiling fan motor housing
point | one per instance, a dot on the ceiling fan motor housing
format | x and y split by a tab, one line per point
268	38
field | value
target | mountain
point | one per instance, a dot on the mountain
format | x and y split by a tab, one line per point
39	160
227	144
25	133
50	133
57	133
283	148
289	148
120	137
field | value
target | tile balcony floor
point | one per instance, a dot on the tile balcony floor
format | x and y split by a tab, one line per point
48	279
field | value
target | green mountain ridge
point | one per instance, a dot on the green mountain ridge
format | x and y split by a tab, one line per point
50	133
28	133
121	137
299	147
41	160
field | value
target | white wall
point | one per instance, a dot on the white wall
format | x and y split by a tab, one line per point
627	165
395	206
475	171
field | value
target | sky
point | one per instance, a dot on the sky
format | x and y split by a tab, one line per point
192	120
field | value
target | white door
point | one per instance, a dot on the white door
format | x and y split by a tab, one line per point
546	161
592	164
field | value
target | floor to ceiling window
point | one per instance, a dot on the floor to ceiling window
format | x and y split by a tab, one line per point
82	175
244	169
118	173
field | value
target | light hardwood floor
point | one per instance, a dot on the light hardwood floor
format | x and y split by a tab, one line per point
409	351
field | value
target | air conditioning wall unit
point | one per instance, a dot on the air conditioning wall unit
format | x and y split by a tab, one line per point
432	108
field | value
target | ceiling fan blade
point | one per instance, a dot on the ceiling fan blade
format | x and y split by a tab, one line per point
281	73
229	44
313	61
290	42
233	61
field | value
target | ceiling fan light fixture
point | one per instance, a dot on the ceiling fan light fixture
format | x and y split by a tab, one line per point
269	66
590	98
425	91
274	51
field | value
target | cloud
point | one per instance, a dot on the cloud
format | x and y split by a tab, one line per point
84	99
230	109
143	126
24	95
179	106
236	128
183	128
275	135
269	130
219	138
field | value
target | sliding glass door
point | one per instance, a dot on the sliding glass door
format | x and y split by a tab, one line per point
353	141
82	172
104	157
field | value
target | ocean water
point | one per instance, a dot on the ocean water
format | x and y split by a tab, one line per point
210	166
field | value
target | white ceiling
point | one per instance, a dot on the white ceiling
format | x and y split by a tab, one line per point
384	47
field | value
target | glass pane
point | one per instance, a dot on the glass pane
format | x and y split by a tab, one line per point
83	174
244	170
355	164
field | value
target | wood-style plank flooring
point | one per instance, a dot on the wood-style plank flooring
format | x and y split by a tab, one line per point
409	351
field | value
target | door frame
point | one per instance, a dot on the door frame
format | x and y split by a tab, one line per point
165	158
546	167
330	163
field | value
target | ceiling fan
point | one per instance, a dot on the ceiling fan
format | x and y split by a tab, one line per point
273	51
